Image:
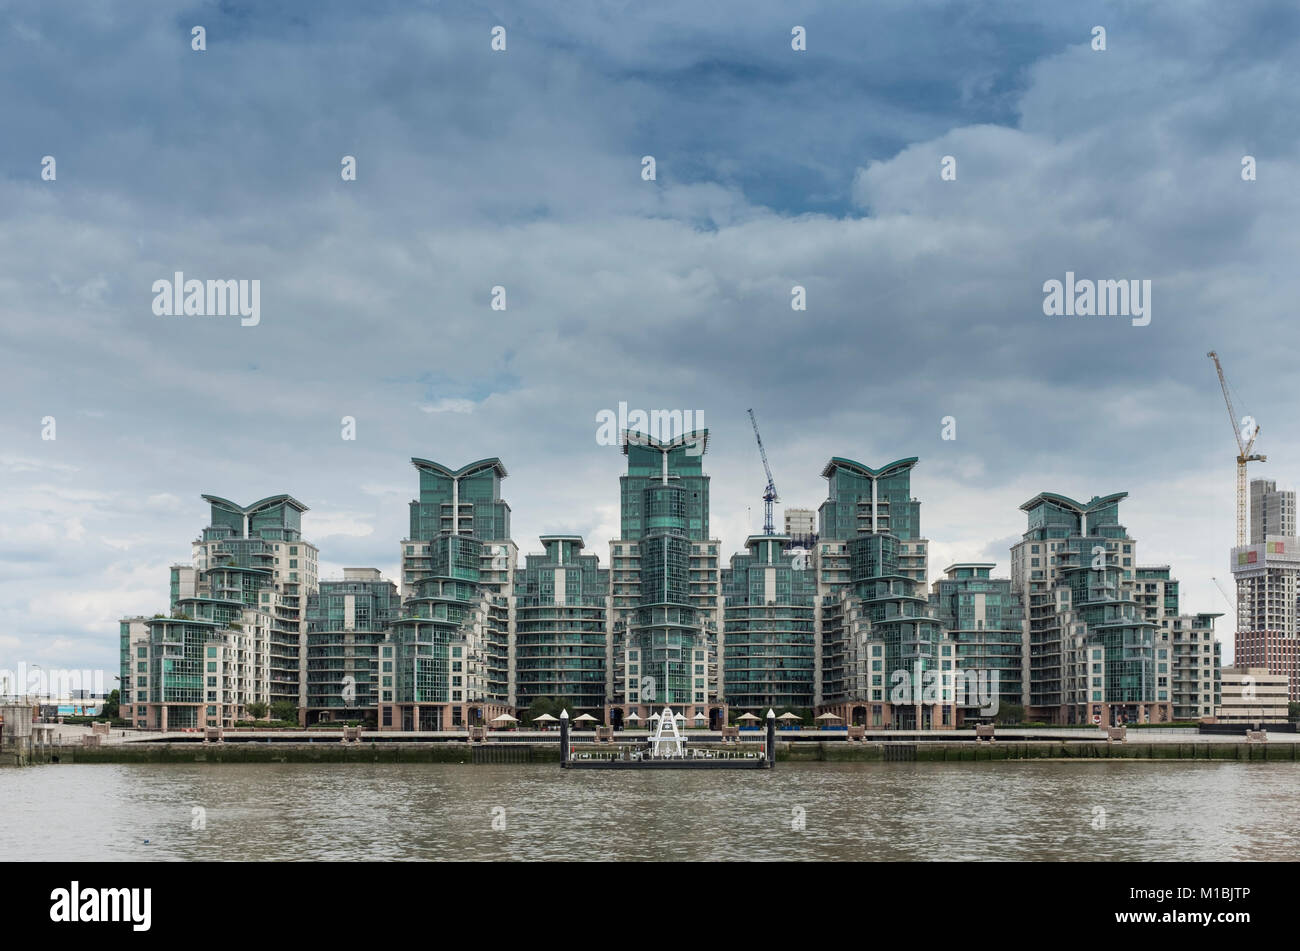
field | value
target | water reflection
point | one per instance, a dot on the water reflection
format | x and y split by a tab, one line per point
1048	810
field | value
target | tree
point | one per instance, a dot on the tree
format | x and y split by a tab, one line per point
111	705
284	710
1293	710
256	709
542	705
1009	713
539	706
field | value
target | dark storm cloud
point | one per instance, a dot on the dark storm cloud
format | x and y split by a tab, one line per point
522	169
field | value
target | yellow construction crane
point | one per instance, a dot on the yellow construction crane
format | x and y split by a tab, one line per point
1245	432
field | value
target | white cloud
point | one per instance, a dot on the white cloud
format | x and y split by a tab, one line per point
448	405
924	296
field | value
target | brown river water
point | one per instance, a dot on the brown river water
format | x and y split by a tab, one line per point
1114	810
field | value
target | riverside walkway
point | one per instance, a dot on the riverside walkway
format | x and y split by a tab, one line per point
68	735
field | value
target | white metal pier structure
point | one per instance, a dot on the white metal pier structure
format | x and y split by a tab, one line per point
667	750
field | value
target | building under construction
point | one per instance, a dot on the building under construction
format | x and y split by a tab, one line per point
1267	572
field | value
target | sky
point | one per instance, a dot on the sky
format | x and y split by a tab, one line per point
522	169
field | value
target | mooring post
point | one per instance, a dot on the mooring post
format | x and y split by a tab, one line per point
564	737
771	736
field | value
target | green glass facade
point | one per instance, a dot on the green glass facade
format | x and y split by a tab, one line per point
984	618
877	628
180	649
896	613
248	542
769	658
864	500
648	462
234	633
465	501
560	632
347	621
450	647
471	633
662	637
424	635
1093	646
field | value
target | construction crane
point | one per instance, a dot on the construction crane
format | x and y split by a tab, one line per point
1231	603
1244	447
769	494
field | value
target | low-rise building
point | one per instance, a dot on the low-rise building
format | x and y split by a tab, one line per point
1252	696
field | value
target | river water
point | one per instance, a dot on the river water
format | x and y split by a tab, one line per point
1032	810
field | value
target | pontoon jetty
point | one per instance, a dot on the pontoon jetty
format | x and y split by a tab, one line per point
667	750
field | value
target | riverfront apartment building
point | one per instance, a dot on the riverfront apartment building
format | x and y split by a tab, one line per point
1092	651
1195	658
984	617
667	599
235	631
852	627
235	554
769	628
347	622
450	648
561	613
875	618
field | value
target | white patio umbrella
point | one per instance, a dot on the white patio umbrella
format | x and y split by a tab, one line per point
585	716
544	718
632	716
700	716
747	716
679	716
788	716
828	716
504	718
654	716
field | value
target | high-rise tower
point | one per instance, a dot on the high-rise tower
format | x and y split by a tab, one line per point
666	583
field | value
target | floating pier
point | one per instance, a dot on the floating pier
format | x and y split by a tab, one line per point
667	750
